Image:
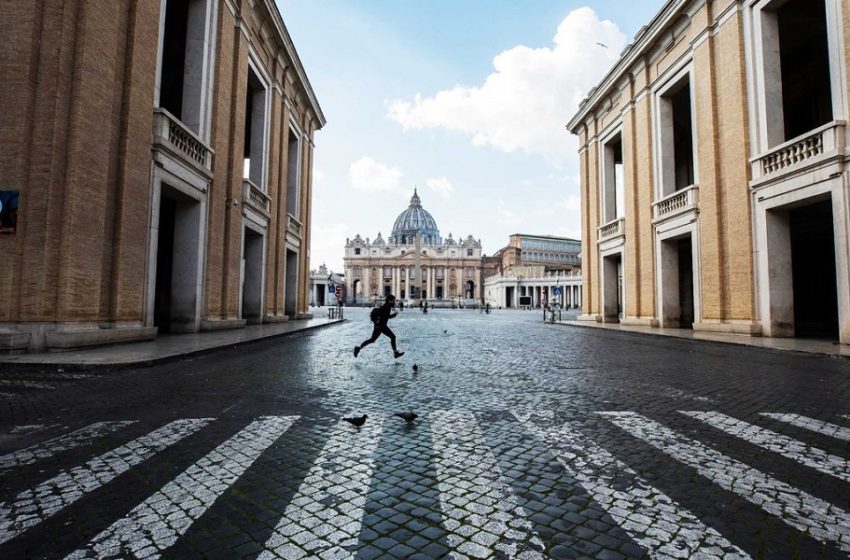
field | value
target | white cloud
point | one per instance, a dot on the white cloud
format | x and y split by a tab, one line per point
327	244
442	186
507	216
366	174
572	202
525	103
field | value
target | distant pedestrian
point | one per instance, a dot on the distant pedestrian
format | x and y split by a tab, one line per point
380	316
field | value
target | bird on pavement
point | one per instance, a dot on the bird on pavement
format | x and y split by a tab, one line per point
408	417
415	367
357	421
445	331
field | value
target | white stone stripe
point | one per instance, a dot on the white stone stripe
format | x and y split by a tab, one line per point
481	514
54	446
157	523
25	384
325	516
31	507
819	519
819	426
653	519
793	449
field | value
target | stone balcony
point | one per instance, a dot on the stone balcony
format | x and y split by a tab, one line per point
679	202
254	198
293	226
175	138
798	154
611	230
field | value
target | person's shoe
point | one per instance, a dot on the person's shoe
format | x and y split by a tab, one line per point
399	354
356	351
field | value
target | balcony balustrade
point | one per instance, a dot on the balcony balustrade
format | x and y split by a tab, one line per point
171	133
612	229
800	152
677	203
254	197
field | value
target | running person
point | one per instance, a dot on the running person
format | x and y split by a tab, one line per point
381	317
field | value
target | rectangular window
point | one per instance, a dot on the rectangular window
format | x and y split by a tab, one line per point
388	273
612	180
676	133
803	68
469	252
293	174
255	130
357	251
184	56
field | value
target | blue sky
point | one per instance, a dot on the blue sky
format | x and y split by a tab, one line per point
466	100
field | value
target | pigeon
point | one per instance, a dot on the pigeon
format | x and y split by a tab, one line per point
415	367
408	417
357	421
445	331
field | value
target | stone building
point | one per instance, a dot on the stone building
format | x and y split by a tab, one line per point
534	271
162	151
448	271
714	171
324	285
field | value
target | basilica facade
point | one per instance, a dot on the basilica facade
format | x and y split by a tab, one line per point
415	263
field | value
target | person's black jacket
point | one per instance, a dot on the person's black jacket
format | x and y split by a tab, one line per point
385	312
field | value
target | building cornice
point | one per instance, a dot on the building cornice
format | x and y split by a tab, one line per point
631	56
283	33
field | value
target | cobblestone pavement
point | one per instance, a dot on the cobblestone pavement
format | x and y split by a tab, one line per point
532	441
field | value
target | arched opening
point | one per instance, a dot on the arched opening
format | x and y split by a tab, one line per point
357	291
470	289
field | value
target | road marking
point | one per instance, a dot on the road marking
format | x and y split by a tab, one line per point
819	426
326	514
51	447
793	449
157	523
24	384
653	519
819	519
26	429
470	480
31	507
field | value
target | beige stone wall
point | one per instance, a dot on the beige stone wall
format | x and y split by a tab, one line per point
79	152
82	76
716	52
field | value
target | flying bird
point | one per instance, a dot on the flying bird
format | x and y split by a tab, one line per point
603	45
415	367
408	417
357	421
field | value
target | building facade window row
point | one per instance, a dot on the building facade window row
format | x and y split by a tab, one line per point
713	172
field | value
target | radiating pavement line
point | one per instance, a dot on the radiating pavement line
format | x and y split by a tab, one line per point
157	523
32	506
818	518
811	424
654	520
481	513
789	448
326	514
54	446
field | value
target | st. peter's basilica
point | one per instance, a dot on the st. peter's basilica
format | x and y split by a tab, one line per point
449	271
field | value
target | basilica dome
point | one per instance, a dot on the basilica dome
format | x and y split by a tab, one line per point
414	219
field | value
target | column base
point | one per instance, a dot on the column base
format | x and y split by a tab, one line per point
222	324
729	327
640	321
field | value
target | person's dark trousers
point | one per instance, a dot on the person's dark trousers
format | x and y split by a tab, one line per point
378	331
